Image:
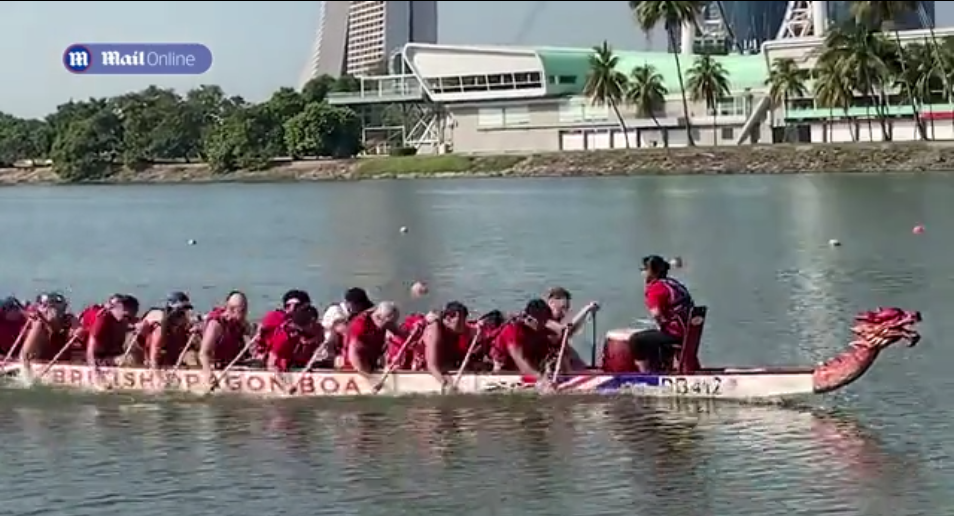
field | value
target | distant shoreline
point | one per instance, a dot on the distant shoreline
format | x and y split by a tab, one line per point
907	157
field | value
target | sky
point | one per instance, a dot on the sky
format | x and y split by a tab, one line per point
260	46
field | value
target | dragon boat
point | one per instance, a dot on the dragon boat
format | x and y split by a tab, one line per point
873	331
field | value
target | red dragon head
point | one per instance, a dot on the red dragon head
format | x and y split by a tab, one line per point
883	327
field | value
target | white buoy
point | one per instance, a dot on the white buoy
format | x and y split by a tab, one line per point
404	229
834	243
191	242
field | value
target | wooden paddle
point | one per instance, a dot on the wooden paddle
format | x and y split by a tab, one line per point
560	355
415	335
16	343
64	349
182	355
467	358
217	379
308	366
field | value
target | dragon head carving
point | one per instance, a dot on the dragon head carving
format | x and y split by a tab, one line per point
880	328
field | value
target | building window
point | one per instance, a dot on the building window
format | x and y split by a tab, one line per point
492	82
498	117
727	133
490	117
578	109
563	79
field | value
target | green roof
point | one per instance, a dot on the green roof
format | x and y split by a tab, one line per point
745	71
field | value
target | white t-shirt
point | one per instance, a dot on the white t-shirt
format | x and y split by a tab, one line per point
334	314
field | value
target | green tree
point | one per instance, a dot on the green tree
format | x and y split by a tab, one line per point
708	82
606	85
674	15
647	94
22	139
883	14
323	130
87	147
860	55
833	89
786	80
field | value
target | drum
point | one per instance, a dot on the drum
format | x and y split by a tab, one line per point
617	355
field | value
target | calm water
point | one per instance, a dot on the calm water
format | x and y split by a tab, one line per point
756	252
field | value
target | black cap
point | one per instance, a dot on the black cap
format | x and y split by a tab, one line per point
9	304
178	301
297	295
51	298
357	296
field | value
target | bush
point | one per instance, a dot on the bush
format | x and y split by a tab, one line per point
403	151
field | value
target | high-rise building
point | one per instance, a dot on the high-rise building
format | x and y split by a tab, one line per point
752	23
840	12
357	38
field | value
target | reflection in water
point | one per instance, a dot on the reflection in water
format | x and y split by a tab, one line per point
498	456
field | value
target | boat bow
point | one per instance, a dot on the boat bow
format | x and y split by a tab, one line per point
873	331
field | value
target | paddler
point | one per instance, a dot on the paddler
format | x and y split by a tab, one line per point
166	333
669	303
224	332
335	322
524	344
558	300
445	342
274	319
365	343
106	330
292	345
50	328
13	320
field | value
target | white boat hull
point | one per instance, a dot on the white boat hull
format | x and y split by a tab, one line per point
733	384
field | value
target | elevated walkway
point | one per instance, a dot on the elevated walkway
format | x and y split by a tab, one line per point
385	89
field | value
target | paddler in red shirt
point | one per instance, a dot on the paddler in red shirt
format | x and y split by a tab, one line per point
107	331
50	328
365	344
274	319
294	343
445	342
12	321
669	303
524	344
224	332
166	333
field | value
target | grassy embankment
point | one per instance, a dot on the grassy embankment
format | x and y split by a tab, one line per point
758	159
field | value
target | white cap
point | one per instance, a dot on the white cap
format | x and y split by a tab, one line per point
334	314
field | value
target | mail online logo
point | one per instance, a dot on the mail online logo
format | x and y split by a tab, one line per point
137	59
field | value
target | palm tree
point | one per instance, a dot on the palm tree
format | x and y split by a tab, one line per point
860	54
708	82
605	84
833	89
883	14
786	80
674	15
647	95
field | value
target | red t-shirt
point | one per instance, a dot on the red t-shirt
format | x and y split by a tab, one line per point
659	296
108	334
535	345
363	329
9	331
271	322
293	348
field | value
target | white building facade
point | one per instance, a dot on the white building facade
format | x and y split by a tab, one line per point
357	37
